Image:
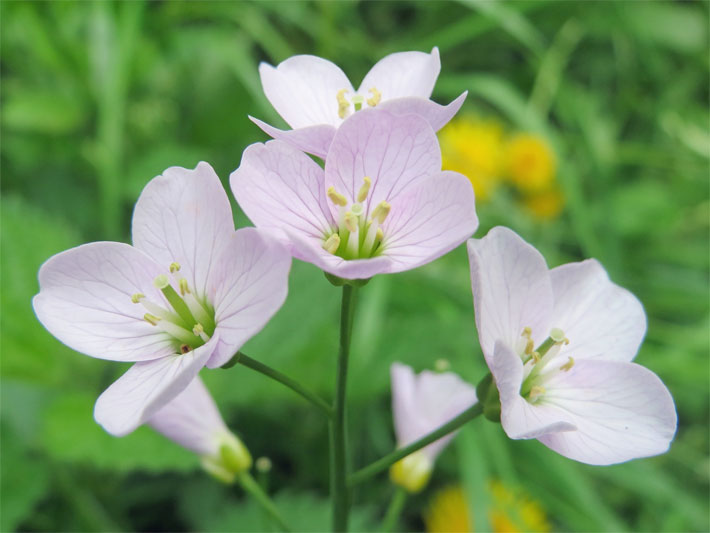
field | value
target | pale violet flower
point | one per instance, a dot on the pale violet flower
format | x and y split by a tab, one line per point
188	293
559	344
192	420
381	205
421	404
314	96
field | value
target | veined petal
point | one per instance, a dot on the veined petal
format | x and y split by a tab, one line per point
303	89
251	282
191	419
311	139
146	387
430	219
184	216
278	186
511	289
404	74
622	411
435	114
519	418
85	301
601	319
394	151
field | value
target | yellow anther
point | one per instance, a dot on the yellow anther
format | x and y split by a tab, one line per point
362	194
536	392
161	281
381	211
152	319
336	197
351	221
568	365
343	104
137	297
184	289
198	329
379	235
375	98
536	357
174	267
529	346
332	243
527	331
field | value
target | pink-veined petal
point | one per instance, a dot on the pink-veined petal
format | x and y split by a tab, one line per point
622	411
85	301
303	89
601	319
146	387
191	419
278	186
403	74
312	139
519	418
435	114
184	216
395	152
250	285
511	289
429	219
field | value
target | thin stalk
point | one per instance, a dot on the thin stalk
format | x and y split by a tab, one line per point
254	489
338	440
292	384
391	458
394	510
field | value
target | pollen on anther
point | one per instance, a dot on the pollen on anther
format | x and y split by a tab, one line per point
151	319
568	365
174	267
137	297
536	392
375	98
184	289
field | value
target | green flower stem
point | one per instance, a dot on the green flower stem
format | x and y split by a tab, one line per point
295	386
254	489
391	458
394	510
338	440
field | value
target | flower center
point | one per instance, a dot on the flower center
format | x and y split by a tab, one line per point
356	101
188	319
357	236
536	368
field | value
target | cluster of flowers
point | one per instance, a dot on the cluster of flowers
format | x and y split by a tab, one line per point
192	290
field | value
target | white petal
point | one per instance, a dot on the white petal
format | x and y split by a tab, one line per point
436	115
511	289
303	89
251	283
85	301
403	74
519	418
146	387
191	419
622	411
278	186
601	319
430	219
184	216
312	139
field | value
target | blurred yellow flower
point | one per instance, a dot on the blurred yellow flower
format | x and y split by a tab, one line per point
511	511
546	204
474	147
530	163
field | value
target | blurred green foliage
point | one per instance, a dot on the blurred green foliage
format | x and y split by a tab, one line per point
97	98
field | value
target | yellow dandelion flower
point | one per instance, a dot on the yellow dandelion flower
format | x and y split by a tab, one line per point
510	511
530	163
545	205
474	148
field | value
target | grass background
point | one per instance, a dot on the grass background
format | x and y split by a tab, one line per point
97	98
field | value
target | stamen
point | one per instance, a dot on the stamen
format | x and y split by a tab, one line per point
173	297
200	332
375	98
536	392
568	365
332	244
198	311
137	297
174	267
354	238
151	319
357	101
153	308
180	333
362	194
381	211
351	222
184	289
343	104
336	197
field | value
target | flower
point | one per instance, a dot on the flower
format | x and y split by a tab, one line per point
421	404
474	148
559	344
188	293
193	421
546	204
381	205
530	163
314	96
